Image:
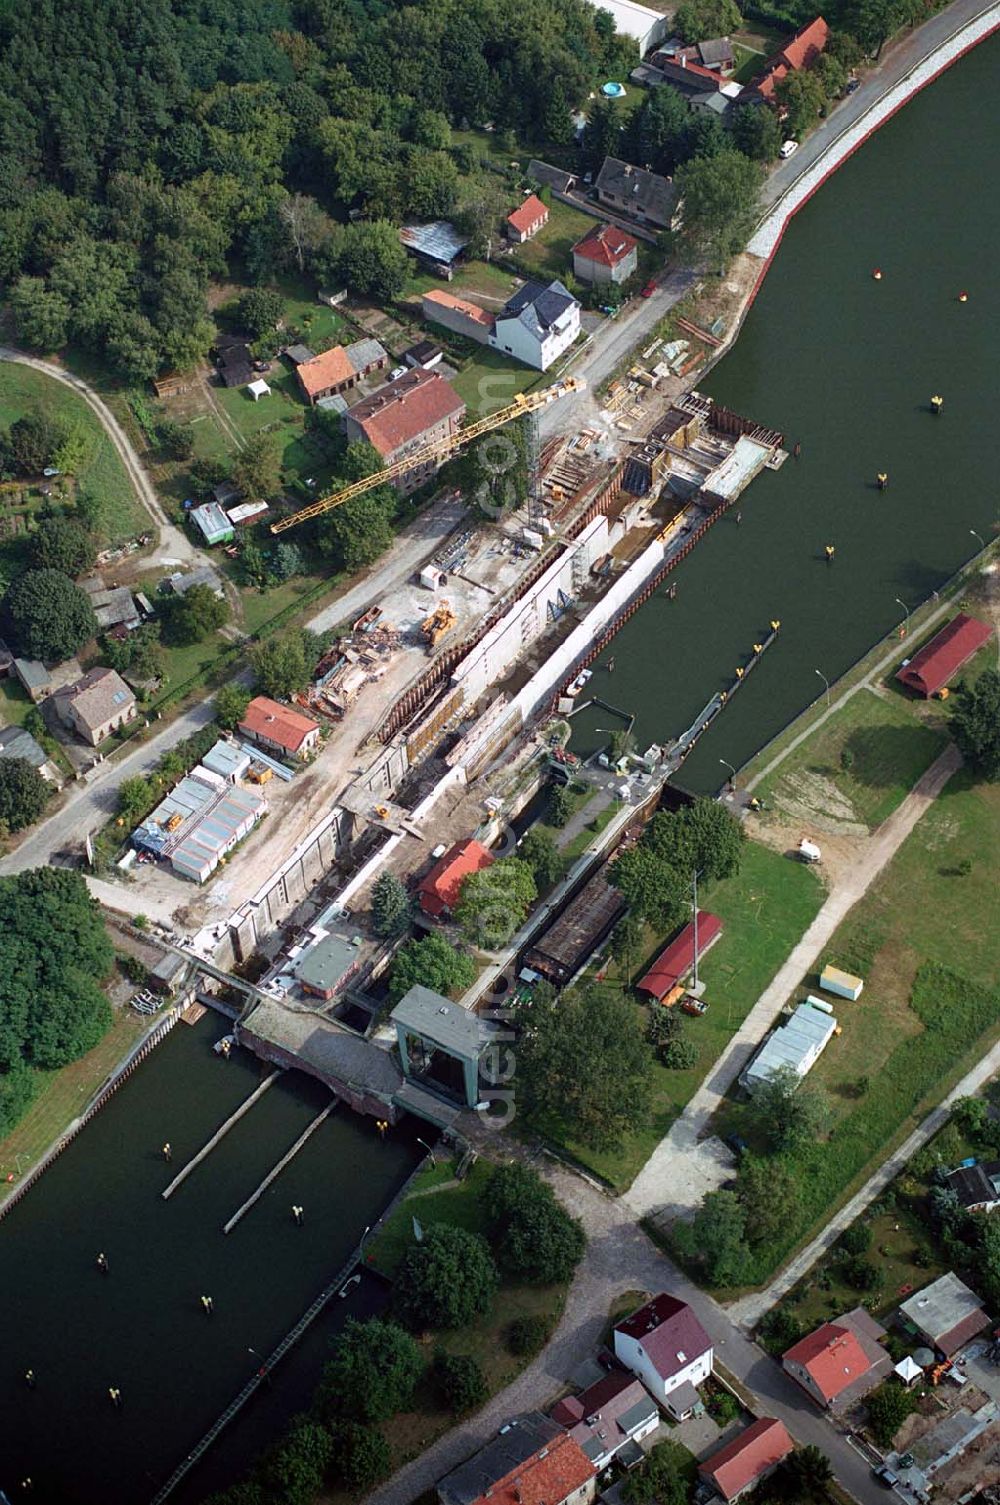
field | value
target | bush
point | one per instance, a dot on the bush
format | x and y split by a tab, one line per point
361	1455
447	1280
460	1381
779	1329
856	1240
527	1336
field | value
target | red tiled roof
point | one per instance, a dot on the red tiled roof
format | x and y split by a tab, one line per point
670	1333
807	44
930	669
606	245
439	890
677	68
742	1462
402	412
548	1478
573	1408
330	369
677	959
461	306
832	1357
527	215
278	723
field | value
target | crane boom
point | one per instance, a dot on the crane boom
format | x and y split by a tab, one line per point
441	449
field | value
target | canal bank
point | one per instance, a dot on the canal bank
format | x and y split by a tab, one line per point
141	1328
845	366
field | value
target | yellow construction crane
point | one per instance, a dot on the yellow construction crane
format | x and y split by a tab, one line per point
441	450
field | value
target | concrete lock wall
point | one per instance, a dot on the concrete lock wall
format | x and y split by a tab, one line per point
290	883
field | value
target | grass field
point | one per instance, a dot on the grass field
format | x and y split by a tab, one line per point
861	764
22	389
489	282
491	380
437	1198
63	1095
765	910
924	939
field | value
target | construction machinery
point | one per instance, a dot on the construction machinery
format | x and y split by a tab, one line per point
440	622
442	449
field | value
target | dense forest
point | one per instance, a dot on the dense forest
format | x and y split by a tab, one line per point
147	142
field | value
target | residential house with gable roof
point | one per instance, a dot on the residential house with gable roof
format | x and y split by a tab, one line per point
841	1361
415	410
750	1457
667	1347
97	705
801	52
647	197
606	254
537	324
610	1418
531	1461
527	219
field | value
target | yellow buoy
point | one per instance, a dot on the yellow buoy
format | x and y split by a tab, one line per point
937	403
775	625
877	274
963	297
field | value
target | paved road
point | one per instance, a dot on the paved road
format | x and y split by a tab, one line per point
750	1309
621	1258
173	543
682	1168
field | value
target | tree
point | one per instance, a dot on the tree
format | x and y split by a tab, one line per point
257	467
283	663
306	226
356	533
855	1240
493	902
33	441
447	1280
136	795
42	315
259	311
703	838
538	849
47	616
295	1470
559	804
373	1373
654	889
975	724
18	1085
873	22
601	134
656	132
287	561
585	1061
138	655
23	793
175	439
807	1474
769	1195
663	1025
663	1479
367	258
527	1336
831	73
716	1240
888	1407
58	543
719	201
802	96
787	1111
779	1329
460	1381
231	703
191	617
361	1455
700	20
757	132
625	947
534	1237
430	963
390	906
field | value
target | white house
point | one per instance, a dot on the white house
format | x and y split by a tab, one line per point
667	1347
537	324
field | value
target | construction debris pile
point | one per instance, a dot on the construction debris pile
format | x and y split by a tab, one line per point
360	658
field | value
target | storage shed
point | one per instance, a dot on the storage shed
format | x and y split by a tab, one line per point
843	984
928	671
213	523
676	960
798	1043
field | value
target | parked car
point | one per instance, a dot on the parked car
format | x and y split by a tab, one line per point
885	1475
737	1144
853	84
649	289
397	372
788	147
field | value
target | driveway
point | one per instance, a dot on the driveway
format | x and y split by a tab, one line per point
685	1165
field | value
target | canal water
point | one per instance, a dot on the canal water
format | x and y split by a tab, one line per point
846	366
141	1328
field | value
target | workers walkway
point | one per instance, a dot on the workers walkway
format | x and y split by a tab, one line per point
683	1168
273	1174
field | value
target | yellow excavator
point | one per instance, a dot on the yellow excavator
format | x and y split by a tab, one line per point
439	451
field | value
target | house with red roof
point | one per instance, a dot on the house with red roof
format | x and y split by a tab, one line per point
605	254
750	1457
676	960
667	1347
438	892
928	671
608	1416
278	728
531	1461
801	52
407	415
527	219
841	1361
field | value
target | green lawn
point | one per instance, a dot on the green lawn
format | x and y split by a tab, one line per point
22	389
550	252
435	1198
490	380
765	910
861	764
488	281
916	1029
283	408
15	702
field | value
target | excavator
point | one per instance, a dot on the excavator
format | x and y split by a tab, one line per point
441	450
440	622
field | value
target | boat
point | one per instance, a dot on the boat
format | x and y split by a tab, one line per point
579	682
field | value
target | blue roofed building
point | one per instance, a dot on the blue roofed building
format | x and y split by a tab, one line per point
537	324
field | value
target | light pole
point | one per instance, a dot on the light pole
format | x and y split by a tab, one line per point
695	985
906	624
361	1245
428	1149
826	683
978	537
732	771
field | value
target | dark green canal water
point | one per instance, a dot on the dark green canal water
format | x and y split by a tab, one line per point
142	1328
846	366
